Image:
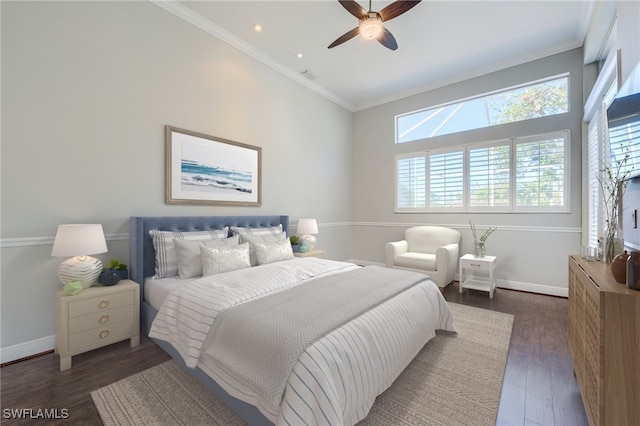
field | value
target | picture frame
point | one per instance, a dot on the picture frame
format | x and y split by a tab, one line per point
204	169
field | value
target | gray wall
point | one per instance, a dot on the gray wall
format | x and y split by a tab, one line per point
532	249
86	90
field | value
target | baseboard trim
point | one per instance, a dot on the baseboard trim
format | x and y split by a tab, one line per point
27	349
534	288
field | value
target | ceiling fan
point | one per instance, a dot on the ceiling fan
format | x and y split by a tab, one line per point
370	26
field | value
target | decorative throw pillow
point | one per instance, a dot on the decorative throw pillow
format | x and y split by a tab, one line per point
166	260
272	252
265	238
216	260
189	257
236	230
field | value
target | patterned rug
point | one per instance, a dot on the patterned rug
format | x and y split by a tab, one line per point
456	379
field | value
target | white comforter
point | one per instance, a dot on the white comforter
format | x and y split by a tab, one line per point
337	378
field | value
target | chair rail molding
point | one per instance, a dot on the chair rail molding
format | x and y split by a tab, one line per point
48	241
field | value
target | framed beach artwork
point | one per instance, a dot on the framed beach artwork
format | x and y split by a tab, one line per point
202	169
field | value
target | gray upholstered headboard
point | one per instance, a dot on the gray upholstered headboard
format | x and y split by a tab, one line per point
142	261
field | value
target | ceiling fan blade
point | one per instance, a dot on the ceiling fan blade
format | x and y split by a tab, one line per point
388	40
354	8
397	8
344	37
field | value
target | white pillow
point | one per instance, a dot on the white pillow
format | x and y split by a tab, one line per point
265	238
166	260
236	230
216	260
273	252
189	257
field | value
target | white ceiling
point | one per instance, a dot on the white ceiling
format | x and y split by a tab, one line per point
440	42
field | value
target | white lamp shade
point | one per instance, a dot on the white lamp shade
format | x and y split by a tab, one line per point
79	241
307	227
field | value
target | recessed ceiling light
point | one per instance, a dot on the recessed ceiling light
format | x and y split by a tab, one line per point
299	55
257	28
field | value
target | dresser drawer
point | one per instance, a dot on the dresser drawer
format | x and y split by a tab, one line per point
100	336
96	304
102	318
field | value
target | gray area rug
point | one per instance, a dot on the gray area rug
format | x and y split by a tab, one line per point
456	379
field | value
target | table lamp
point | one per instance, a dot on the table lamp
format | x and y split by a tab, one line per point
306	229
79	241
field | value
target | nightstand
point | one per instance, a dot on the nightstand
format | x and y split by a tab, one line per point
98	316
312	253
487	264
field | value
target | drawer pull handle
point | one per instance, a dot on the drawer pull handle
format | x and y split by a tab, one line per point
103	304
103	334
475	265
103	319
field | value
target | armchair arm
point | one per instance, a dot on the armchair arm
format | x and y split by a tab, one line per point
447	261
393	249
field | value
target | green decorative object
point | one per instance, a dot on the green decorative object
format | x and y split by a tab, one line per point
72	288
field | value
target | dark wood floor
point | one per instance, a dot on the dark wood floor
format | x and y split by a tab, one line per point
539	387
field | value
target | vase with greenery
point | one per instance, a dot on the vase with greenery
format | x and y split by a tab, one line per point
613	182
118	266
479	249
295	243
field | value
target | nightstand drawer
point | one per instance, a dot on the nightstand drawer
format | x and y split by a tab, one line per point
100	336
102	318
101	303
478	266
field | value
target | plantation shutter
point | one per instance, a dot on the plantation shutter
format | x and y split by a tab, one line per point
539	172
624	139
595	144
489	176
446	180
411	182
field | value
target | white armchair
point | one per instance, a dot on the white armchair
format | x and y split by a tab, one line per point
433	250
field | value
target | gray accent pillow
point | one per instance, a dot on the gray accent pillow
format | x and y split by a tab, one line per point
190	258
265	238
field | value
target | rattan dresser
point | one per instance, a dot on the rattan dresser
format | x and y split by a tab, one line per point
604	339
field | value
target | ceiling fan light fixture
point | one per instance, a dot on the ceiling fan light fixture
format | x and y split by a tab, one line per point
371	26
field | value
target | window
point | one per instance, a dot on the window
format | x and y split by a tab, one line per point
517	175
597	146
624	141
446	179
489	178
539	173
531	100
410	182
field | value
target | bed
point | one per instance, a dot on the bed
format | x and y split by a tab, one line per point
343	355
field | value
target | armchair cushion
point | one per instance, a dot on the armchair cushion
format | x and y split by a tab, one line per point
416	261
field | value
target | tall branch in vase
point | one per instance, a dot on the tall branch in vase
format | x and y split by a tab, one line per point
613	182
478	243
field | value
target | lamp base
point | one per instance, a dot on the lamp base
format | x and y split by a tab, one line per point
309	241
85	269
